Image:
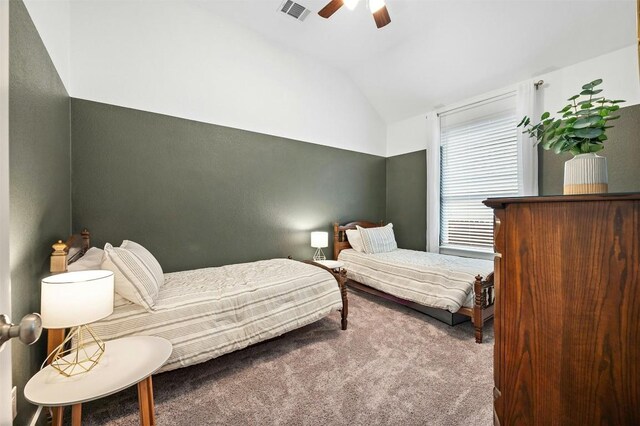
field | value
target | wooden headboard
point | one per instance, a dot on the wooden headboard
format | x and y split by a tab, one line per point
340	241
67	253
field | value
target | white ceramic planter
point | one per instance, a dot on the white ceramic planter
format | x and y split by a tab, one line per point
586	174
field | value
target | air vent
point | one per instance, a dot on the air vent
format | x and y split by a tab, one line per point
294	10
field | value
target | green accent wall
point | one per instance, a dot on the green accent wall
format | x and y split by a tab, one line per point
39	169
407	199
198	194
622	151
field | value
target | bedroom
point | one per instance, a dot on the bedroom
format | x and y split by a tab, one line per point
215	133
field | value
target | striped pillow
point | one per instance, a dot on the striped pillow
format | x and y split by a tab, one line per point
134	280
378	240
147	258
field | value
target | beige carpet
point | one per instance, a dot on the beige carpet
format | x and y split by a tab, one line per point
393	366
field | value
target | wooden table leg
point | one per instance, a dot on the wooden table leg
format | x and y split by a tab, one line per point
76	415
145	400
152	408
56	418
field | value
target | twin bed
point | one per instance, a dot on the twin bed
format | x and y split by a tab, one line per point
206	313
449	288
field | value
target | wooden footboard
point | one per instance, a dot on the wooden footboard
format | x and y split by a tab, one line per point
341	278
483	303
484	297
481	311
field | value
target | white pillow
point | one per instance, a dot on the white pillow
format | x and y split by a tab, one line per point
378	240
134	279
354	238
91	260
147	258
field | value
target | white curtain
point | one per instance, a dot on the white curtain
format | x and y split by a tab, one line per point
433	188
527	104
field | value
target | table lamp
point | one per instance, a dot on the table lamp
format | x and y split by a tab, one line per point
319	240
73	300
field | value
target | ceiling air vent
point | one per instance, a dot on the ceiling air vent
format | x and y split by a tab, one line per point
294	10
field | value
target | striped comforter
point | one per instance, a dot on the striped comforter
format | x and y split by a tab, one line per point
209	312
430	279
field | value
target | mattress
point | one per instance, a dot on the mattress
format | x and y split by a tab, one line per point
209	312
429	279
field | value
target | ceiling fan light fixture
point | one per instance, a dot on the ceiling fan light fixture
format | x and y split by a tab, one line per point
376	5
351	4
378	9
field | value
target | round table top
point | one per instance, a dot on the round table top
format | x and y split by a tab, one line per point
331	264
125	362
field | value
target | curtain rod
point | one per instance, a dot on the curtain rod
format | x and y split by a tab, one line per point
476	103
538	84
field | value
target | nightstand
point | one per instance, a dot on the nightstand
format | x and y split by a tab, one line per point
337	270
334	265
126	362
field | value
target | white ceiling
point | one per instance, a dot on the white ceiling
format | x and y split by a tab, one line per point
438	52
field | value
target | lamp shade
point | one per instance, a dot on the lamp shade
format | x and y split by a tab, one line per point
319	239
76	298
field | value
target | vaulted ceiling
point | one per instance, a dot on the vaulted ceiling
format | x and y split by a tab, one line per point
436	51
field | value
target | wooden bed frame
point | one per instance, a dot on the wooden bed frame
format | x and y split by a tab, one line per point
481	311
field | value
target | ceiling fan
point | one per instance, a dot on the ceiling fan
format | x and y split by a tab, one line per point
378	9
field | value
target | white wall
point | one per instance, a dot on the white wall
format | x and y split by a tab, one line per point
216	72
410	135
619	69
52	19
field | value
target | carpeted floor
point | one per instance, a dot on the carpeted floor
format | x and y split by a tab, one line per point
393	366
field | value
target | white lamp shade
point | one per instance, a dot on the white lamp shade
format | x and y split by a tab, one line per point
76	298
319	239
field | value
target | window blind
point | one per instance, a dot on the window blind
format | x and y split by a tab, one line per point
478	159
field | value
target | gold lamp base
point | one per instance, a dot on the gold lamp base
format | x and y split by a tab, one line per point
81	357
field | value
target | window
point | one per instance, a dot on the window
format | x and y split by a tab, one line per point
478	160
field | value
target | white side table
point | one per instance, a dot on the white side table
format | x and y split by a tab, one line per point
125	362
335	265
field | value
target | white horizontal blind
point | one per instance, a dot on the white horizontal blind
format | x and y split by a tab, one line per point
478	159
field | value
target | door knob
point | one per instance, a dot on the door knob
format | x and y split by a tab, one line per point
28	331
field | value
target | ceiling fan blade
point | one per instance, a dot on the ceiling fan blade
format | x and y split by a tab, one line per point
381	16
331	8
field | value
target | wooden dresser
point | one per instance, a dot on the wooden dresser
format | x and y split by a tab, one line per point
567	311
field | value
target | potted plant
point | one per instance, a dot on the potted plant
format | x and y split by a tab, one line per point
581	130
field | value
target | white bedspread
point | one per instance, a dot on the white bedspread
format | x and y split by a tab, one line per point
430	279
209	312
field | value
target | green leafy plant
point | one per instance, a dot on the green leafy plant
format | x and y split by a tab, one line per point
582	126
